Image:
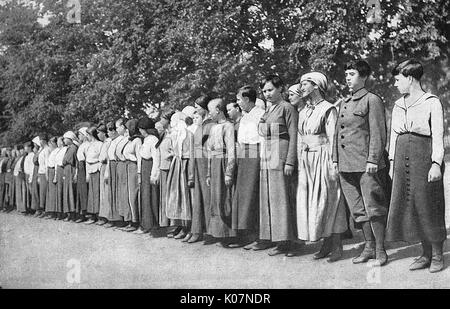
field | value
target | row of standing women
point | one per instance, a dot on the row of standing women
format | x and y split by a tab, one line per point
251	176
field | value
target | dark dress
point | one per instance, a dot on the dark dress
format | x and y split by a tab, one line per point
149	205
81	188
34	184
69	189
50	201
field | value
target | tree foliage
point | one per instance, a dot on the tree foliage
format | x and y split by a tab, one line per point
127	55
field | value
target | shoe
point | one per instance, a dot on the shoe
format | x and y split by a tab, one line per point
100	222
264	246
67	219
79	220
238	244
279	249
187	237
36	214
42	214
108	225
336	254
140	232
420	263
130	229
174	232
195	238
180	235
250	246
437	263
366	255
381	257
90	221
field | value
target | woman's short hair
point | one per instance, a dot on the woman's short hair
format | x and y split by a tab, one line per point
361	66
410	67
272	78
248	92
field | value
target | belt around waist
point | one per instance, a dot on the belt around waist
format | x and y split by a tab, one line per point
415	134
151	159
308	142
51	167
131	161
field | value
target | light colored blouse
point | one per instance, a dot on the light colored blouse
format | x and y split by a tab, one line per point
28	165
103	157
43	160
248	127
92	153
112	147
149	151
60	156
417	119
221	142
51	160
17	166
131	152
118	152
81	152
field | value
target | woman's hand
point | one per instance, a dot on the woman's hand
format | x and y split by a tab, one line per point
228	181
371	168
288	170
435	173
88	177
139	178
208	181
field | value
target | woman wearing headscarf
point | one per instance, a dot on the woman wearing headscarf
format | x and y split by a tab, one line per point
28	169
165	149
133	157
70	174
50	200
149	172
417	209
58	179
121	193
180	179
105	194
295	96
34	178
320	207
93	174
20	181
42	172
80	178
278	127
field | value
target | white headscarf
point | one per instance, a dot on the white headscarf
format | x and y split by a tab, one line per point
317	78
295	89
178	130
37	141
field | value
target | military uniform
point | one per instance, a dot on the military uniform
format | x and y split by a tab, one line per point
360	138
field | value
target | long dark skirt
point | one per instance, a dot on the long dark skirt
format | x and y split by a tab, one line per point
105	196
133	193
43	189
27	193
179	200
59	189
245	210
149	198
69	190
114	214
122	191
35	189
50	200
221	201
163	220
201	210
2	190
9	190
82	188
417	210
94	193
20	192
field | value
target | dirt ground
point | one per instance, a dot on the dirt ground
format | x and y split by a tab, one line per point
37	253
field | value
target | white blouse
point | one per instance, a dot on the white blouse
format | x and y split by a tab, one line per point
149	151
248	127
92	157
417	119
60	156
43	160
81	152
51	160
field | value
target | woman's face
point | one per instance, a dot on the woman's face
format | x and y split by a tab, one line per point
402	83
60	142
101	135
294	98
307	88
143	132
272	93
160	127
67	141
354	80
198	119
120	128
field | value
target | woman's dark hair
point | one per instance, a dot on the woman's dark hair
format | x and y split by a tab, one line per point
410	67
53	139
272	78
121	120
93	131
189	121
248	92
43	137
168	114
102	128
28	144
133	131
111	126
361	66
203	101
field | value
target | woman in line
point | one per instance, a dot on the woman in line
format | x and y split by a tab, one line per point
58	179
165	150
34	178
133	157
149	173
180	179
121	192
80	178
42	173
70	174
93	166
295	97
417	209
19	181
50	201
320	208
105	194
278	127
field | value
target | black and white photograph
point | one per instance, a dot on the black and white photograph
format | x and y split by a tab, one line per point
224	145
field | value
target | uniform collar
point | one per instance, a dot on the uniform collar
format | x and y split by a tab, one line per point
359	94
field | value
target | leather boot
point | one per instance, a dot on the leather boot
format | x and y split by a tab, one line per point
325	250
437	258
424	260
338	250
367	254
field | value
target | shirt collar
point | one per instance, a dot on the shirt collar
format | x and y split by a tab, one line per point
359	94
